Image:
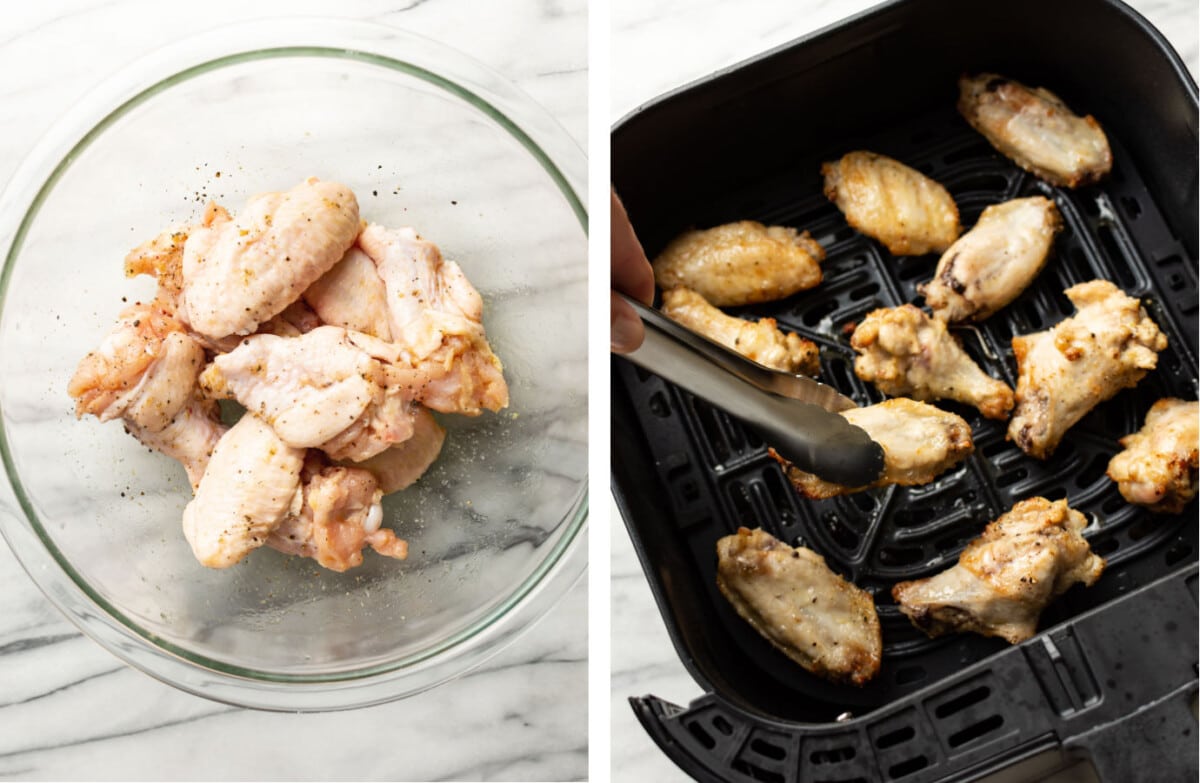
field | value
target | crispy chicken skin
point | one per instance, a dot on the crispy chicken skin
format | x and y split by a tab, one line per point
992	264
905	353
238	272
902	208
1007	576
793	599
919	442
1158	468
251	483
760	340
340	514
741	263
1034	128
1108	345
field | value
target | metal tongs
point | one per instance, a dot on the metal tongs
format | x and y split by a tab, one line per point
796	416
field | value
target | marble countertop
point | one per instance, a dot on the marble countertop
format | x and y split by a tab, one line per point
706	35
69	709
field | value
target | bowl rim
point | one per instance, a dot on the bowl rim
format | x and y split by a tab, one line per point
259	40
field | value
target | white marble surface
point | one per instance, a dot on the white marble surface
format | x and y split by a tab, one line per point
69	709
658	45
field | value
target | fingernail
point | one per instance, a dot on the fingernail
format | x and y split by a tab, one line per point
625	333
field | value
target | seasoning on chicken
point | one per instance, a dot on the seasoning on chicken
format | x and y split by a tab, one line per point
352	295
143	369
340	514
436	322
1064	372
1034	128
920	442
189	438
899	206
795	601
322	389
251	483
760	341
1158	468
238	272
741	263
995	261
1007	576
905	353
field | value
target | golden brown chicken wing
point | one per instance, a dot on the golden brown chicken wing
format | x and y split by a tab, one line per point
1007	576
741	263
1109	345
760	341
793	599
905	353
888	201
1034	128
1158	468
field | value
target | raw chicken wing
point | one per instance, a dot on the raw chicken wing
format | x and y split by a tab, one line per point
905	353
1109	345
1007	576
352	295
741	263
144	370
919	442
340	514
322	389
992	264
793	599
902	208
1158	468
1035	129
759	341
401	465
436	321
252	482
239	272
190	437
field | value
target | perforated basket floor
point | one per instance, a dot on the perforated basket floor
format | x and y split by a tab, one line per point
717	477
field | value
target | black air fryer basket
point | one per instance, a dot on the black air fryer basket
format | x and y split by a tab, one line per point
1112	674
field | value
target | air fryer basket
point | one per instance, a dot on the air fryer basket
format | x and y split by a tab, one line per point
1117	660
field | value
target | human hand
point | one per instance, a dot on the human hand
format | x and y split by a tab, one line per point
632	275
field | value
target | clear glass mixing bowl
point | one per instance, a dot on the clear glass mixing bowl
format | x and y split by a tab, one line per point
425	137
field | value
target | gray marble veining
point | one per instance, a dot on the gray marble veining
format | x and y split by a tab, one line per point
658	46
69	709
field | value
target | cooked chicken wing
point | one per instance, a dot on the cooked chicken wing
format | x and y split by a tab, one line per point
251	483
143	371
793	599
339	515
1007	576
760	340
352	295
741	263
401	465
1158	468
1034	128
239	272
905	353
323	389
992	264
1109	345
190	437
919	443
902	208
435	318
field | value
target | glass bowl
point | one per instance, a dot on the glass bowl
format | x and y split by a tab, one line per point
425	137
